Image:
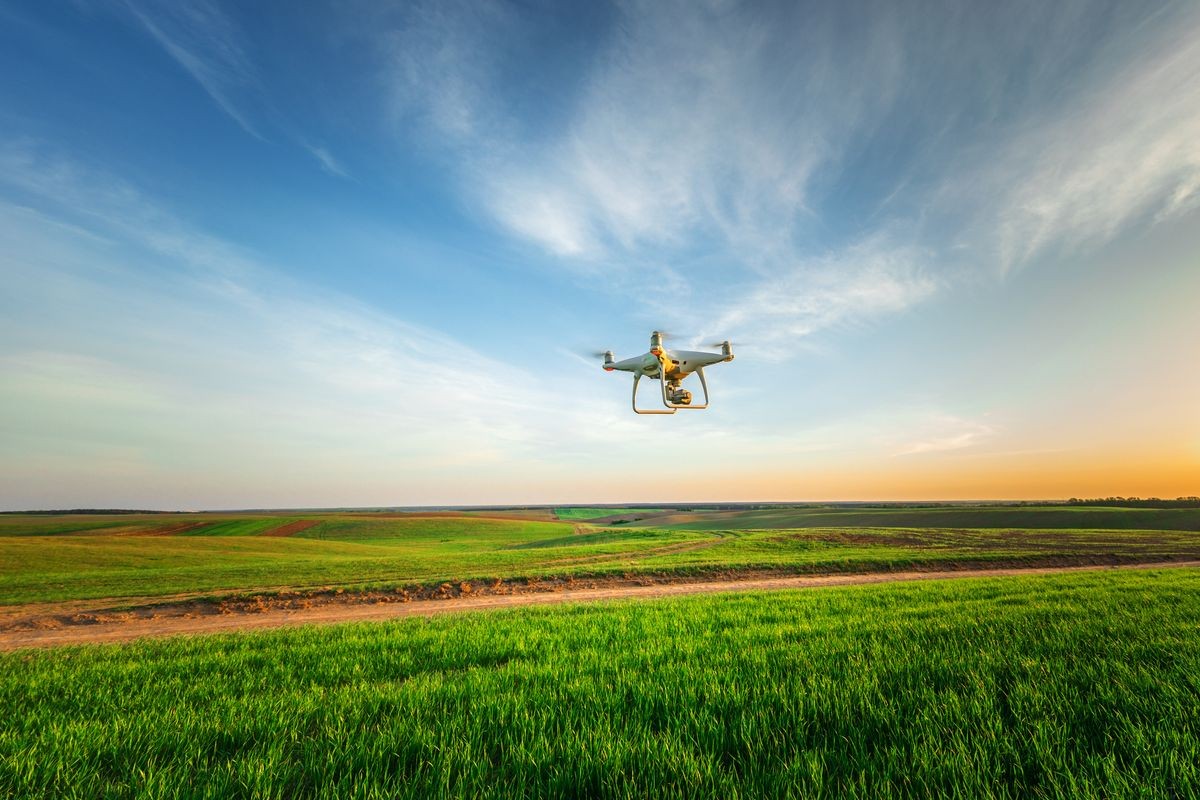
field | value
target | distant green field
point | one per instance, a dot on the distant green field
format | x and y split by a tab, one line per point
226	555
141	524
580	514
1067	686
234	527
1176	519
870	549
359	551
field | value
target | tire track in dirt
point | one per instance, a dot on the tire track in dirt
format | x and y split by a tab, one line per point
129	627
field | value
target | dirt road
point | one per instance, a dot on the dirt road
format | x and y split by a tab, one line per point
42	627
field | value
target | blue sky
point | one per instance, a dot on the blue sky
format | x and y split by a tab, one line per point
348	254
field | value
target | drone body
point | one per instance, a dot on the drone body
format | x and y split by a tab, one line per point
670	367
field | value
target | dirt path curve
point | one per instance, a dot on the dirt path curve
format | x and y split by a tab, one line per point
127	629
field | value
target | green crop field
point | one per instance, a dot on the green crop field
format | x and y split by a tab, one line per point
869	549
338	551
63	558
1079	685
583	514
1182	519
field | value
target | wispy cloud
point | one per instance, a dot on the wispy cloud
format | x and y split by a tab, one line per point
1123	148
440	65
213	50
862	281
208	46
939	433
326	160
675	132
713	142
680	151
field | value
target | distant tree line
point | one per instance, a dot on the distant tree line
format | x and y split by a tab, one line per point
49	512
1137	502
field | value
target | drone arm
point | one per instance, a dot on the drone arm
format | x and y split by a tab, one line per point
637	376
628	365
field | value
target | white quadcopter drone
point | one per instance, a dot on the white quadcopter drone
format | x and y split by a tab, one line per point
670	367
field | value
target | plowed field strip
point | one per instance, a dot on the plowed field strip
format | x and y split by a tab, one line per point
292	528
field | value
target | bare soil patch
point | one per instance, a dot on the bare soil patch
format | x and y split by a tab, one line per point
171	529
113	621
292	528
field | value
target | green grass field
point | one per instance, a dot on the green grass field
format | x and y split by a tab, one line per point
354	552
61	558
584	514
1179	519
1065	686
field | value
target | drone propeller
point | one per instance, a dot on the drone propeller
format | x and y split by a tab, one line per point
590	353
725	342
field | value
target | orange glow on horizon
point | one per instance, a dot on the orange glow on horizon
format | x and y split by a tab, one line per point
1052	476
955	476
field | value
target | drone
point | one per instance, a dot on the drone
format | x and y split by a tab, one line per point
670	367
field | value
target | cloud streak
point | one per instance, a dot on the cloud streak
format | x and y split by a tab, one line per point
326	160
206	44
213	50
863	281
944	433
1124	148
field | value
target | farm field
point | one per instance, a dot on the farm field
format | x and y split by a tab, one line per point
61	558
585	514
339	551
1076	685
1182	519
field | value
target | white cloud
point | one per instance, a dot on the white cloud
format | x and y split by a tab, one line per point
678	151
705	140
439	62
679	136
865	280
937	433
543	213
202	40
1123	147
326	160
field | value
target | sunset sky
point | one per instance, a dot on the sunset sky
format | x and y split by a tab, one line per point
346	254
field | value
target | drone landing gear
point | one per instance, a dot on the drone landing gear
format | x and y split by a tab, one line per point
674	396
